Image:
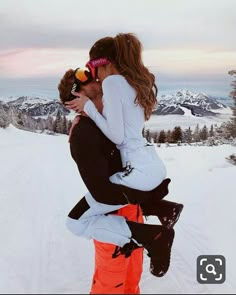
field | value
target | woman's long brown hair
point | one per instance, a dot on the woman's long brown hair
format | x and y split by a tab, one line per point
65	86
125	52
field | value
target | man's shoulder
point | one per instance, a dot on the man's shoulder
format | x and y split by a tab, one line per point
86	130
85	124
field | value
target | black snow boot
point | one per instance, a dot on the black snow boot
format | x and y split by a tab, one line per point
167	212
157	240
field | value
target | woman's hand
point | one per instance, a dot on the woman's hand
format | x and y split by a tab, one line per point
78	103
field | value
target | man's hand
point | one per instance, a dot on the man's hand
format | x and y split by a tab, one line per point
78	103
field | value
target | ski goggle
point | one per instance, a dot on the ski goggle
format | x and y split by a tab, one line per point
83	75
93	64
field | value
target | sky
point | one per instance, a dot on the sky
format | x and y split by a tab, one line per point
182	40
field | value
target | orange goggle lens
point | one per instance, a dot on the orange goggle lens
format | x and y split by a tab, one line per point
83	75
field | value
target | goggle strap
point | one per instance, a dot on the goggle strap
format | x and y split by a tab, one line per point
74	87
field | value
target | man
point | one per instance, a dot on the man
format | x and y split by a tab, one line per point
119	275
93	152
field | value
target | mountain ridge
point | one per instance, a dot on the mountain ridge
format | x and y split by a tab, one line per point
181	103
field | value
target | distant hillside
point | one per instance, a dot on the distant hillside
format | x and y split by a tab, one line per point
185	101
180	103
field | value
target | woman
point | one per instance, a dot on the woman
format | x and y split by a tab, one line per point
108	228
129	97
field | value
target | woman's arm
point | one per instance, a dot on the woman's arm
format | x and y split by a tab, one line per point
111	123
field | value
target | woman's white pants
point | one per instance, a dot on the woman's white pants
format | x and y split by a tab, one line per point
94	224
147	173
147	169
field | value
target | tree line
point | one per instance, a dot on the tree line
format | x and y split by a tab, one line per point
178	135
21	119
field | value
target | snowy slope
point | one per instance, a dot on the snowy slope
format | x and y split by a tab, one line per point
157	123
40	183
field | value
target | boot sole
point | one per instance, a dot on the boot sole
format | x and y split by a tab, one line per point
161	269
170	225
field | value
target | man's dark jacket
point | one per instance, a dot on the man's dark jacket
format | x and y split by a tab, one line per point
97	158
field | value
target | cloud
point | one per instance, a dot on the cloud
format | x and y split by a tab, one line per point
27	62
179	36
41	36
31	62
159	24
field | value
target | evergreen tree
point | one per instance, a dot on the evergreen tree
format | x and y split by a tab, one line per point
4	118
204	133
188	135
155	137
169	136
196	134
58	123
50	123
69	124
64	125
177	134
19	119
162	136
12	115
211	132
232	123
219	132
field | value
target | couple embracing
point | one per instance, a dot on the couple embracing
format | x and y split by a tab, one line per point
121	170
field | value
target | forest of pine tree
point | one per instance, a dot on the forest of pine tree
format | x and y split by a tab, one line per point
232	123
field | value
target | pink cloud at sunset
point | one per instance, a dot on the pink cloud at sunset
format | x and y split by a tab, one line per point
40	62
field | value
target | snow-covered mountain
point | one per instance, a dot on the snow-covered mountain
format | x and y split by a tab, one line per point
185	107
35	106
180	103
185	101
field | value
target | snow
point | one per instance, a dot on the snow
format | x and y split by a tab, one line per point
40	184
160	122
5	99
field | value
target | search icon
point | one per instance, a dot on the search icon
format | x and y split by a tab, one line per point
212	269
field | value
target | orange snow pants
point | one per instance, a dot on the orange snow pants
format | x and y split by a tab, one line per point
118	275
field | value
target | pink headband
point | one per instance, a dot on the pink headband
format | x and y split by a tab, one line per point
97	62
